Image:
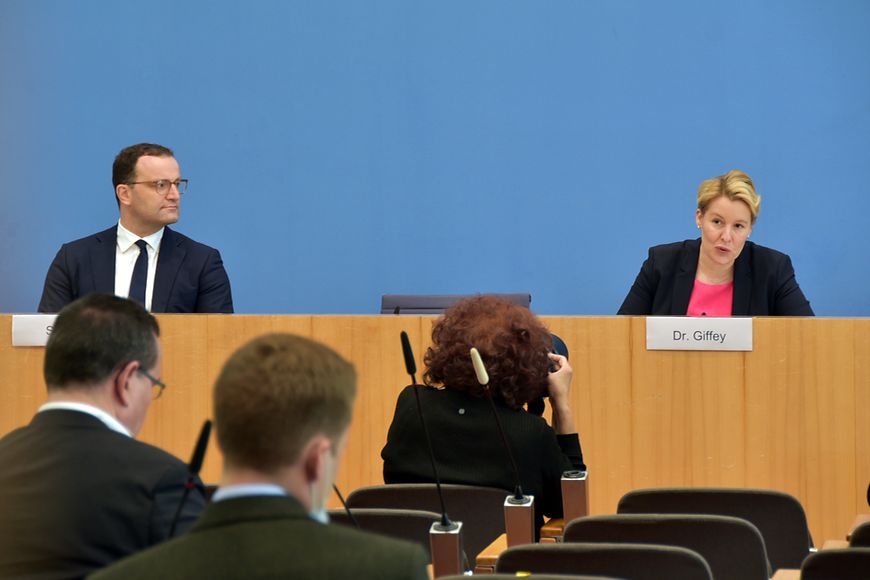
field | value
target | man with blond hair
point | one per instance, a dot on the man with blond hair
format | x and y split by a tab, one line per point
282	407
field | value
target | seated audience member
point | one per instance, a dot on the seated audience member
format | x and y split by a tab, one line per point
77	491
282	406
514	346
720	273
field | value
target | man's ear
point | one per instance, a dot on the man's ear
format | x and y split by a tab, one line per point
122	191
314	457
121	385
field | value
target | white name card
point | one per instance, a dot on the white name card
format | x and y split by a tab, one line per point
689	333
31	329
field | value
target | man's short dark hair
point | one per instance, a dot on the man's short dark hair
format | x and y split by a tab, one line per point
124	167
95	335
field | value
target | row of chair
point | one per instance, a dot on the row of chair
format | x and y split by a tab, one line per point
655	561
734	533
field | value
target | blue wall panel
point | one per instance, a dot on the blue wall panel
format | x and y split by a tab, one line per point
338	150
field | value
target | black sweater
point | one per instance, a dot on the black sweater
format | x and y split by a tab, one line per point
469	450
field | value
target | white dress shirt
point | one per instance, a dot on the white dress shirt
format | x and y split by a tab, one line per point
126	254
110	421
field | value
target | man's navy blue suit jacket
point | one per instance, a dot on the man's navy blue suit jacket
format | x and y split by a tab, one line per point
190	276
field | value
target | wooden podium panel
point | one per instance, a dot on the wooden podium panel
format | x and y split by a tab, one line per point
793	414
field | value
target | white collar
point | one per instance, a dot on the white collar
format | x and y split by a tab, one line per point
100	414
126	238
248	490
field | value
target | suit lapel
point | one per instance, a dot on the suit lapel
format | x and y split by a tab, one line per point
685	279
169	260
742	282
103	260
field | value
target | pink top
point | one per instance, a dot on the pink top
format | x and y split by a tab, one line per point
711	299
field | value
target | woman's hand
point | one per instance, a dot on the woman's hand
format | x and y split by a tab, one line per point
559	388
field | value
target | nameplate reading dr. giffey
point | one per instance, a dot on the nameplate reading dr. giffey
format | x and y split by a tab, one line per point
689	333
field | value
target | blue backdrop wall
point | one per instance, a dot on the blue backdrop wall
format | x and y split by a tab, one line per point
338	150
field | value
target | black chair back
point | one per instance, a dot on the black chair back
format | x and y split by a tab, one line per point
778	516
629	561
480	509
860	536
846	564
535	577
438	303
733	548
410	525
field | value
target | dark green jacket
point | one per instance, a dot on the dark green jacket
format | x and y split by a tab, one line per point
271	537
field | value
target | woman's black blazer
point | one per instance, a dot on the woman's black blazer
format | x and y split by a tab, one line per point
764	283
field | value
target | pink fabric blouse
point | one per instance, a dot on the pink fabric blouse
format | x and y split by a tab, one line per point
711	299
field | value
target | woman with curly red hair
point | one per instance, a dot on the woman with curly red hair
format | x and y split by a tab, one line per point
515	348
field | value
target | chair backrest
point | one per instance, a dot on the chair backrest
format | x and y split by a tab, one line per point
860	536
846	564
480	509
778	516
629	561
438	303
535	577
411	525
733	548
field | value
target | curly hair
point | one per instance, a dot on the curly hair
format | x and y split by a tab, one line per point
512	343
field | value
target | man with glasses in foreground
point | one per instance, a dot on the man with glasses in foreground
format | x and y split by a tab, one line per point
77	491
141	258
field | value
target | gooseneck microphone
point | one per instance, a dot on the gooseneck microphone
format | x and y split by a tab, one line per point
483	379
344	505
411	369
192	470
410	364
445	537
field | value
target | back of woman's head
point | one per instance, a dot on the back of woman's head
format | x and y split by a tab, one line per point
512	343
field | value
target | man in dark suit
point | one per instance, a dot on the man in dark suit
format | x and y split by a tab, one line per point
77	491
141	257
282	406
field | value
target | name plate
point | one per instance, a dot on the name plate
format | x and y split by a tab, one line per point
31	329
689	333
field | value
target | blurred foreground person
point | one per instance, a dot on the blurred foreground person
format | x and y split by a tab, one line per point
282	407
77	491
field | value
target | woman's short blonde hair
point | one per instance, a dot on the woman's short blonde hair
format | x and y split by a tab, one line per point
736	185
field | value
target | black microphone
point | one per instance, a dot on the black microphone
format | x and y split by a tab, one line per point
483	378
344	504
192	470
410	364
411	368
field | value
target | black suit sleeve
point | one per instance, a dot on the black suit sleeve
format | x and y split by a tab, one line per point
639	301
57	291
214	295
789	300
167	498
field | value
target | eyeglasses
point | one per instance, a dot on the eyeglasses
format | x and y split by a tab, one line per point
156	386
162	186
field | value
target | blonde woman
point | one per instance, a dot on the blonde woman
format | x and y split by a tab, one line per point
721	273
